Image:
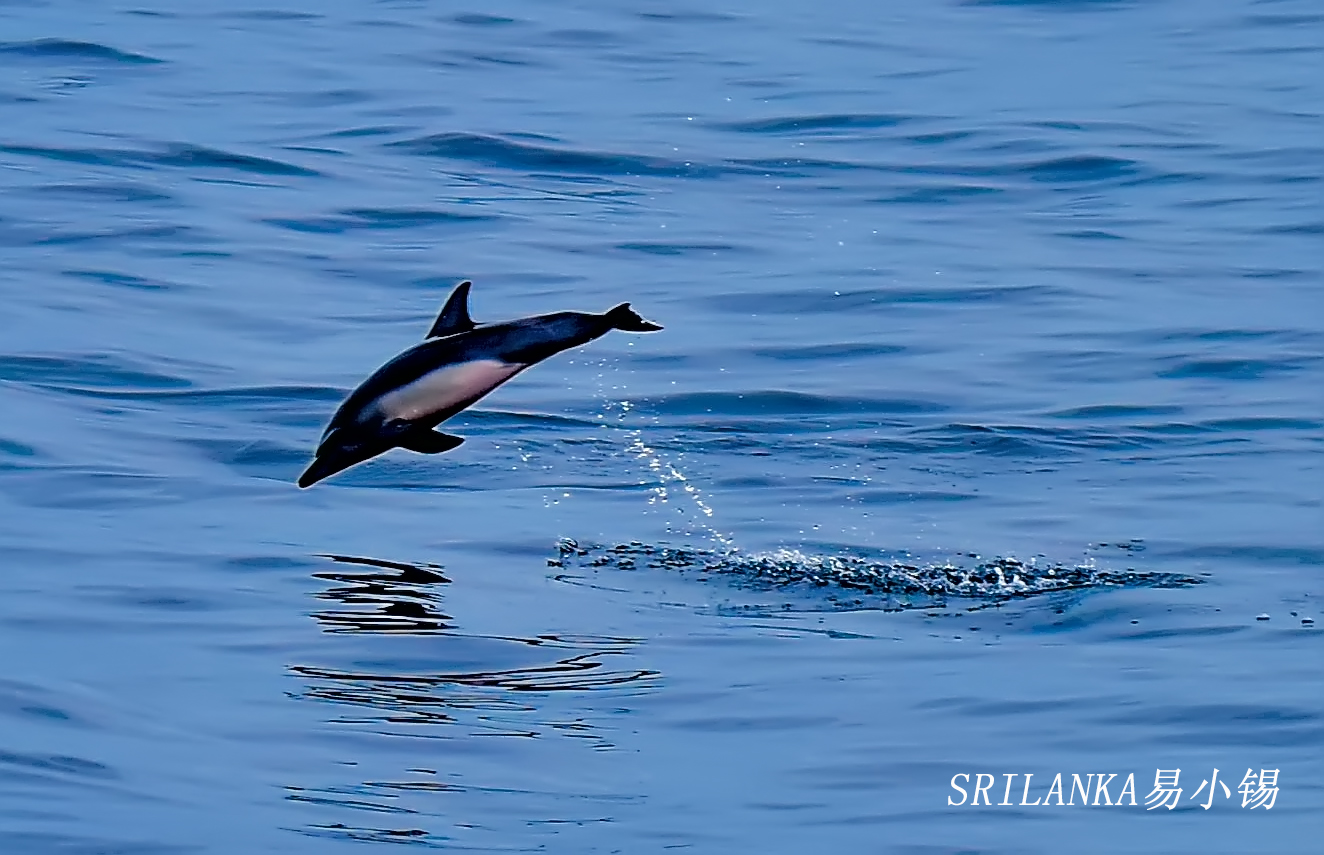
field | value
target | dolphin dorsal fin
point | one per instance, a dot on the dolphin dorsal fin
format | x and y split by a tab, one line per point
454	317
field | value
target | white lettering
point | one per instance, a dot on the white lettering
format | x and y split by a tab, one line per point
1006	796
981	787
959	789
1025	793
1056	785
1129	785
1094	789
1075	782
1101	786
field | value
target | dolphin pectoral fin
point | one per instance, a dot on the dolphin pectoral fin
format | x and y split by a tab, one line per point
454	317
429	441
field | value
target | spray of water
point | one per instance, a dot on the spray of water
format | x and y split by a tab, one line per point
671	484
672	490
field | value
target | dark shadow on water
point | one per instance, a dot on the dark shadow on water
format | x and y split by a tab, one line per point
389	598
573	673
378	683
396	598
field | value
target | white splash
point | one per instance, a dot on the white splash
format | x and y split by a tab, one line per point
671	482
671	479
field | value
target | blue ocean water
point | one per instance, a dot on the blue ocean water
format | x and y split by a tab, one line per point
1029	280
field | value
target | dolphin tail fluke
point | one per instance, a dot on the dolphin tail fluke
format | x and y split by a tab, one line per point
624	318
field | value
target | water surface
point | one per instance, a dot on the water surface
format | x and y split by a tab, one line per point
942	283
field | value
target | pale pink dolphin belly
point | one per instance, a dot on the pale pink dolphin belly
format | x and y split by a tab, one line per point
444	388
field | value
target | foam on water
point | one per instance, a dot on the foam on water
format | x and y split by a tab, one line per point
906	584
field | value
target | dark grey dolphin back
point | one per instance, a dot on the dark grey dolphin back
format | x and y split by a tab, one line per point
532	340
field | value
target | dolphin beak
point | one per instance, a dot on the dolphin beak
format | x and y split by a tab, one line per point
324	467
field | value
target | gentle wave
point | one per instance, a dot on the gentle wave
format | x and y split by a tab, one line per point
381	218
678	249
1235	369
523	156
1063	5
106	192
102	370
816	301
531	153
65	49
178	155
123	280
774	402
778	125
266	395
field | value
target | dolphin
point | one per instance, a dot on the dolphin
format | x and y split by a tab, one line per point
457	363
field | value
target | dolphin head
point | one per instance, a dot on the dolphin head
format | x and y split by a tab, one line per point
339	450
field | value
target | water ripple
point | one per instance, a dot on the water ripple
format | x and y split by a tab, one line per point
123	280
66	49
816	301
178	155
111	373
108	192
381	218
253	395
780	403
53	765
779	125
509	154
1235	369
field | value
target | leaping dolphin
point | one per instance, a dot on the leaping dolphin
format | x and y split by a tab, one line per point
457	364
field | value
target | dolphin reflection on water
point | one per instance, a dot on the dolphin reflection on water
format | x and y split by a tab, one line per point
456	365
